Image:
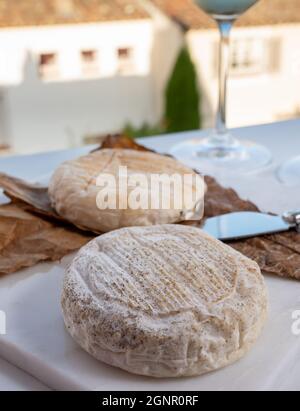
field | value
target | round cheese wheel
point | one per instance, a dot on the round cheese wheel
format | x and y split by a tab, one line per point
163	301
74	190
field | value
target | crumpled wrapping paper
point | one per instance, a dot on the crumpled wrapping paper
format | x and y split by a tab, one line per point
31	231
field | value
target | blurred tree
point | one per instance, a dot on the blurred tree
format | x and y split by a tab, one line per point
182	102
182	98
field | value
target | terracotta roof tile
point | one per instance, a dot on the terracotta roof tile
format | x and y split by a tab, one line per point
266	12
47	12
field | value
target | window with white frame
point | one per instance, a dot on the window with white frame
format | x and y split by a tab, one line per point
126	63
48	66
251	56
90	62
247	57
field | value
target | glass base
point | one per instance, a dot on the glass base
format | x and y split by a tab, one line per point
215	155
289	172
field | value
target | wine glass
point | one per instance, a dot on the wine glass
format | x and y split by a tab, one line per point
221	151
289	172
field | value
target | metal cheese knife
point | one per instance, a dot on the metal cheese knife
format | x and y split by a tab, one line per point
246	224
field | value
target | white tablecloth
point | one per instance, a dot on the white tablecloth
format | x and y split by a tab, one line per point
284	141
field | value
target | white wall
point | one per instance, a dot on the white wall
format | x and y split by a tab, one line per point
68	40
4	119
168	40
53	115
257	98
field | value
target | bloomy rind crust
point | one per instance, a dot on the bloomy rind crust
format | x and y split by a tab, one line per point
73	190
192	339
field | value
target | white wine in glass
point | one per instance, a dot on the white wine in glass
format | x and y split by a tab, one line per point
220	151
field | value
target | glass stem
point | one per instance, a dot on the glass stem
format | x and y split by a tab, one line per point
222	135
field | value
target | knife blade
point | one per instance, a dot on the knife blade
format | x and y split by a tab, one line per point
247	224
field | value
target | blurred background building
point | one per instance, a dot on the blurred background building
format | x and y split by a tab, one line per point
74	69
265	59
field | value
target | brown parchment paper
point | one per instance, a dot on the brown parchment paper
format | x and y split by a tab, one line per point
31	231
26	239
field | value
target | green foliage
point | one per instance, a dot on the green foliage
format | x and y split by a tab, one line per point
182	102
182	97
